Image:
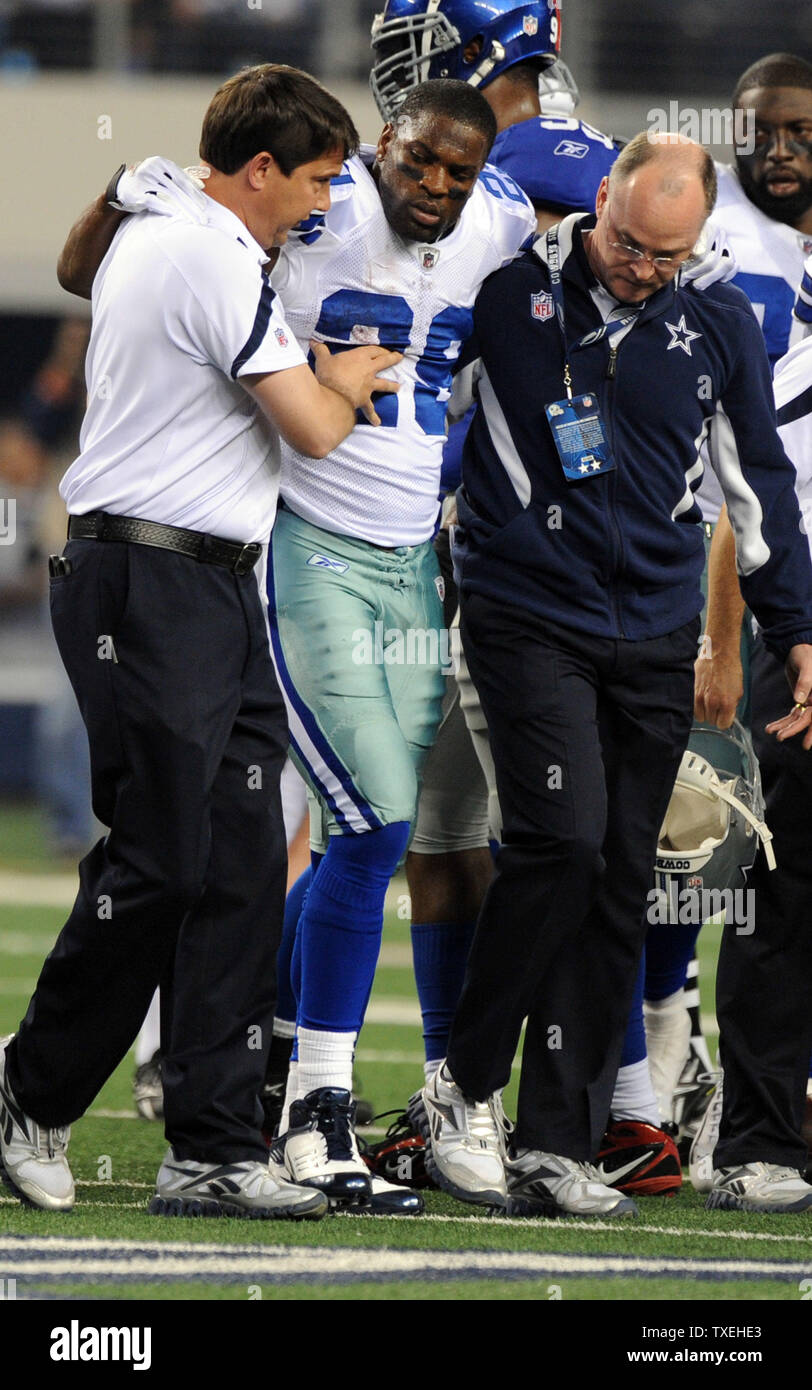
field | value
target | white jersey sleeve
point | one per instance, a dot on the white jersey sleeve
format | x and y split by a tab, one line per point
769	266
358	282
793	403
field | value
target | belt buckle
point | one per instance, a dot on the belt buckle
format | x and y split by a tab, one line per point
247	558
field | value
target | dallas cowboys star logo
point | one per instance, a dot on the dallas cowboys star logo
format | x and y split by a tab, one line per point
681	336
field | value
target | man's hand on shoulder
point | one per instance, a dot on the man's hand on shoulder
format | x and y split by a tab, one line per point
153	185
799	674
712	262
158	185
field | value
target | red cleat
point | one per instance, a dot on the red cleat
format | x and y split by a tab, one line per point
639	1159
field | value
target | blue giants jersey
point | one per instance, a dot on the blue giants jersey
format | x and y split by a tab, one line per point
556	160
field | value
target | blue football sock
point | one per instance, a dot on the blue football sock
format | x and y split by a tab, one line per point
669	948
285	992
440	952
341	926
634	1043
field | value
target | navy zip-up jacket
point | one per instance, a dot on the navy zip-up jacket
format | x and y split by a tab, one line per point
620	554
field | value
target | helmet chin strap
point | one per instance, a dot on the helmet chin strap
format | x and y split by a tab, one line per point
697	773
486	67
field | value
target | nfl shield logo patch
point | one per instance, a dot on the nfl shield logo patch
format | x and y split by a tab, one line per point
530	25
541	306
281	337
429	256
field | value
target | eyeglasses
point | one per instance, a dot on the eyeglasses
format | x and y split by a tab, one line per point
634	254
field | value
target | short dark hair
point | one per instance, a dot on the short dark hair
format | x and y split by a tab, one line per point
642	149
774	70
275	108
445	96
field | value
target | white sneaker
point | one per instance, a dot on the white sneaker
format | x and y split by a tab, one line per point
700	1159
319	1149
762	1187
185	1187
465	1148
668	1042
33	1158
542	1184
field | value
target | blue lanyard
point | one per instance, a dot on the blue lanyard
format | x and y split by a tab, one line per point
557	291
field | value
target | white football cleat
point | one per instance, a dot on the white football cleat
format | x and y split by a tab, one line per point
320	1150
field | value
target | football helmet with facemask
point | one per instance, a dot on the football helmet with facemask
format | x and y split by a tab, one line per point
414	40
712	828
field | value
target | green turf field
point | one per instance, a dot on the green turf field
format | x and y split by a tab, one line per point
110	1247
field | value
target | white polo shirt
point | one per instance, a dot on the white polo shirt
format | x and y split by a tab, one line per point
181	309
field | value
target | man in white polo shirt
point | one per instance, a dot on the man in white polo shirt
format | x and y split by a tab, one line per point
192	376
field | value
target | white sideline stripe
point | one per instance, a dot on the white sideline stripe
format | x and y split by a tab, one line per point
584	1228
588	1227
131	1259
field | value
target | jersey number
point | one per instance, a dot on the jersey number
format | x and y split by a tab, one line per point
356	317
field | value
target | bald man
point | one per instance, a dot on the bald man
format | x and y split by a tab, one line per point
599	374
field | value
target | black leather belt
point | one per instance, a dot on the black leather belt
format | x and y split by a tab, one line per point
209	550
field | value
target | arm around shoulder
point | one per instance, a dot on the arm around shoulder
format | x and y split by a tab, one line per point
88	242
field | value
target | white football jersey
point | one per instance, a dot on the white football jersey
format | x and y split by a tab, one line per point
353	281
793	402
770	259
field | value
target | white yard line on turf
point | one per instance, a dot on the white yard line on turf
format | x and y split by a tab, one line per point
28	1258
518	1223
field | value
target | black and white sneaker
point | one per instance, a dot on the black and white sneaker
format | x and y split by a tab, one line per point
320	1149
185	1187
543	1184
34	1161
759	1187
